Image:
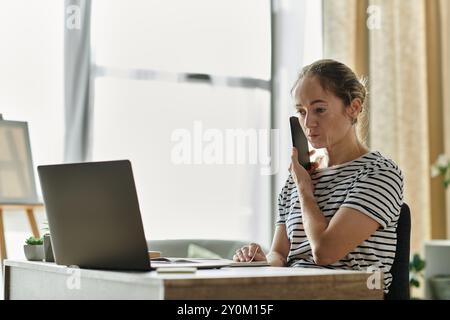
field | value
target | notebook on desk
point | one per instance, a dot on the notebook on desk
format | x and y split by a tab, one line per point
96	203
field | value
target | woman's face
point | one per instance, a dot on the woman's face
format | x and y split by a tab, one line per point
322	115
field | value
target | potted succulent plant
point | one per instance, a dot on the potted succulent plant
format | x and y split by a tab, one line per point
34	249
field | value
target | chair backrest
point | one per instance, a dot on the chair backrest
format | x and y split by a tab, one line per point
399	288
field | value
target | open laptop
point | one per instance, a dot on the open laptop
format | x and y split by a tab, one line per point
94	218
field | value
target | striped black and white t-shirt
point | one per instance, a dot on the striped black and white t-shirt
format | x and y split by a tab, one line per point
371	184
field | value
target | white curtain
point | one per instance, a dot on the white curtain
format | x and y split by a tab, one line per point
77	79
405	58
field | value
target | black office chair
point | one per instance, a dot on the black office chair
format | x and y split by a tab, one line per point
399	289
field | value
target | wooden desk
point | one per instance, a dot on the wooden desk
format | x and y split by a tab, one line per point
40	280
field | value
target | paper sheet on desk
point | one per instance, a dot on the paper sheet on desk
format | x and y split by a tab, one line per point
171	262
197	260
187	260
249	264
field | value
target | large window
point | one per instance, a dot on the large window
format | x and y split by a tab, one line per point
223	37
146	56
143	51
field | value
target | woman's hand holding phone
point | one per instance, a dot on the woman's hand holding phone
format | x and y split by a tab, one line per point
302	176
300	142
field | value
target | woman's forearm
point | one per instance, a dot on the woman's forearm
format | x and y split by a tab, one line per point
275	259
314	221
315	225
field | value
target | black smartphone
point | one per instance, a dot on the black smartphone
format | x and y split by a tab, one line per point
300	142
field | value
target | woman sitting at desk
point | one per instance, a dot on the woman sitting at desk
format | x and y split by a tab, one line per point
343	212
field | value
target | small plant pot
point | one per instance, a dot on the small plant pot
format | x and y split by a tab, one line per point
440	287
34	252
48	250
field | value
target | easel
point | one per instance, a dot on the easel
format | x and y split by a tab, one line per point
16	160
29	209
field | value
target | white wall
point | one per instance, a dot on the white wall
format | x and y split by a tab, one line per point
31	88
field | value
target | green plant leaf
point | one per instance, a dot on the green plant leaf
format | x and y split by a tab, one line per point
421	265
34	241
414	282
446	183
418	264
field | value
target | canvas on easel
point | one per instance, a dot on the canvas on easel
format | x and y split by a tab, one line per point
17	182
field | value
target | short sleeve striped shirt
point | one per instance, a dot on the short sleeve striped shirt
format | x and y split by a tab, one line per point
371	184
